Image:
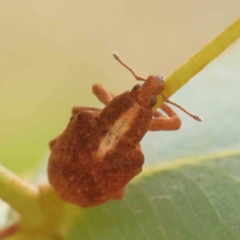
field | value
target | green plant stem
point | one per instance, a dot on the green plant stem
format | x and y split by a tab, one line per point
22	196
42	212
200	60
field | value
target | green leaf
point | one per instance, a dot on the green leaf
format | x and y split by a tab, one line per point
195	199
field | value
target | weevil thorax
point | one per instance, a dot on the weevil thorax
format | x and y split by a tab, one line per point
145	94
125	120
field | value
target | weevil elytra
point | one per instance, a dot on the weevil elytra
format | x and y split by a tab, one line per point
96	156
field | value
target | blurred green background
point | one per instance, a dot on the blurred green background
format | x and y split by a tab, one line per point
51	52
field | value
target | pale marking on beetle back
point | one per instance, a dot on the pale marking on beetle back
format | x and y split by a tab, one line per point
117	131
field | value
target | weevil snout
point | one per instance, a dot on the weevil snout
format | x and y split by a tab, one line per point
154	84
160	79
160	82
145	94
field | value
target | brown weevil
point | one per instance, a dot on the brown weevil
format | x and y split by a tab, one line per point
96	156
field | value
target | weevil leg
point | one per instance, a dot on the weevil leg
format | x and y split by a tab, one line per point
103	95
52	142
157	114
76	110
161	122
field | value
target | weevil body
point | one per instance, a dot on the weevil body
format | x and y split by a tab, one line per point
96	156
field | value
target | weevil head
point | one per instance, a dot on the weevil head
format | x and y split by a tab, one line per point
146	94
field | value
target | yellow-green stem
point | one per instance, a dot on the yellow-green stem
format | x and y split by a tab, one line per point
16	192
199	60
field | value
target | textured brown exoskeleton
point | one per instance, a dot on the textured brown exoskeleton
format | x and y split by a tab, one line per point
96	156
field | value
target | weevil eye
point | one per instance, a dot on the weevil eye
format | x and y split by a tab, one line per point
136	87
153	101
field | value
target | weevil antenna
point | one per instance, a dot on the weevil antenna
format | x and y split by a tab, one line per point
197	118
116	56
